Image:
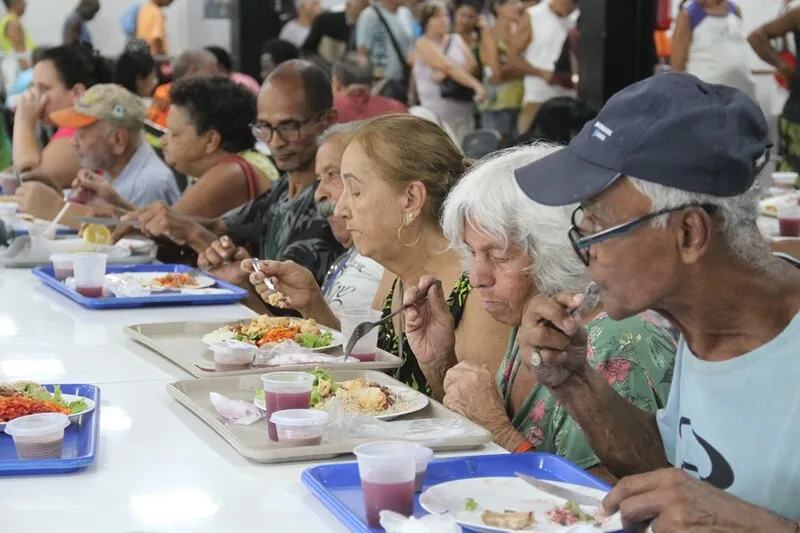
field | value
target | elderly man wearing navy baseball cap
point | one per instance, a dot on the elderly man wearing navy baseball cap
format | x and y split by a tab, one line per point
666	220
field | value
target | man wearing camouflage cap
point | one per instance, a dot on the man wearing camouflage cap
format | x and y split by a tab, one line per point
110	147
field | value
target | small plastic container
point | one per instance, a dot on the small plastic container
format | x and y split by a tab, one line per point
789	220
300	427
38	436
785	180
62	266
231	356
90	274
423	457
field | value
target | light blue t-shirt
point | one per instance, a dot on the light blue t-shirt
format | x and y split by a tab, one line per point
371	35
736	423
146	179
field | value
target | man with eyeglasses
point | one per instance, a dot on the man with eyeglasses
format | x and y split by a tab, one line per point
295	105
667	221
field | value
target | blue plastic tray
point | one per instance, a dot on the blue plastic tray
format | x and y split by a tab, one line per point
47	275
80	442
339	487
23	232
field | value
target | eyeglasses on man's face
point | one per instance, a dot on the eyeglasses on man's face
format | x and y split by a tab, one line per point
581	242
288	130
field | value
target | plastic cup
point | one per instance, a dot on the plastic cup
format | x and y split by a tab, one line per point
90	274
422	458
366	347
232	358
300	427
8	184
283	391
62	266
789	220
387	470
785	180
38	436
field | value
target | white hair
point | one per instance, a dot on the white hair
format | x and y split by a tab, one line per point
739	214
489	199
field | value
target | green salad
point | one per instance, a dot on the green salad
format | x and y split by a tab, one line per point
307	340
35	391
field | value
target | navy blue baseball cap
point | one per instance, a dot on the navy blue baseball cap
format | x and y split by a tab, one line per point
671	129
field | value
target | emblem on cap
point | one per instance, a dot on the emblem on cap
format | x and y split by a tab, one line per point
118	111
601	131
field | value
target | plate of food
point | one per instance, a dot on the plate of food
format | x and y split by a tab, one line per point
360	396
507	504
265	330
156	281
28	398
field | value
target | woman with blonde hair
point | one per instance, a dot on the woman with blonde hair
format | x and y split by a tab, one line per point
397	171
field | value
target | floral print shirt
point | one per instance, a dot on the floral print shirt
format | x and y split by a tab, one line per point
636	356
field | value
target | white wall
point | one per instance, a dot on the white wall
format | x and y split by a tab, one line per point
187	28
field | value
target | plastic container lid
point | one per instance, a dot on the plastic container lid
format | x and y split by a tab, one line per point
232	347
423	457
299	418
37	425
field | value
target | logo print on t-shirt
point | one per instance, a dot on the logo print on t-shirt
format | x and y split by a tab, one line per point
721	474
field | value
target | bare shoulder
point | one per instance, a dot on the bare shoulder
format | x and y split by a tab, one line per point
480	338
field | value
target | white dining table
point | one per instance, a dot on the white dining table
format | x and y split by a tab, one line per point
159	467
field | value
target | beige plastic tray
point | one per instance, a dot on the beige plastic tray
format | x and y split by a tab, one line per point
181	343
252	441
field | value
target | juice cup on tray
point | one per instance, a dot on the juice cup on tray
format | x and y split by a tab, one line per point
789	219
366	347
39	436
62	266
422	458
387	470
90	274
285	390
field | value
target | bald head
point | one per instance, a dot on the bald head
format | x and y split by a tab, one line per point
308	77
193	62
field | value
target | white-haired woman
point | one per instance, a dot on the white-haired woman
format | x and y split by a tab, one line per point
515	249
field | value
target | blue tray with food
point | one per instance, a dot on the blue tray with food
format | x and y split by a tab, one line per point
481	492
167	285
79	402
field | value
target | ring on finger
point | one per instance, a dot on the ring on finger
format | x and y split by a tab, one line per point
536	359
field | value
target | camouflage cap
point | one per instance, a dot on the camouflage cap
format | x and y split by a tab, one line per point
106	102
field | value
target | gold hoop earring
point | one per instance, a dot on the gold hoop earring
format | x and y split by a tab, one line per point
408	218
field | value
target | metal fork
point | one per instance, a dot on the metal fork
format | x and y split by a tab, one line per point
267	281
365	327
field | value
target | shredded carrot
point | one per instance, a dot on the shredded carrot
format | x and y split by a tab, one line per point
278	335
175	281
12	407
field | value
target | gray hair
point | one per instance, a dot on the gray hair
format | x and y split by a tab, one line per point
348	128
489	199
353	69
739	214
191	59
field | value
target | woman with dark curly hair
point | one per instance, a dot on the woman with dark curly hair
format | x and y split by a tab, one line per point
208	126
60	75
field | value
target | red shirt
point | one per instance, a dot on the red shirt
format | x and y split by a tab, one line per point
360	104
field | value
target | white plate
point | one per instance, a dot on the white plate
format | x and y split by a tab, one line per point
69	398
338	340
499	494
147	279
418	401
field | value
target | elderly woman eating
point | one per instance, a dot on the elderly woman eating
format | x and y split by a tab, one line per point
391	205
515	249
